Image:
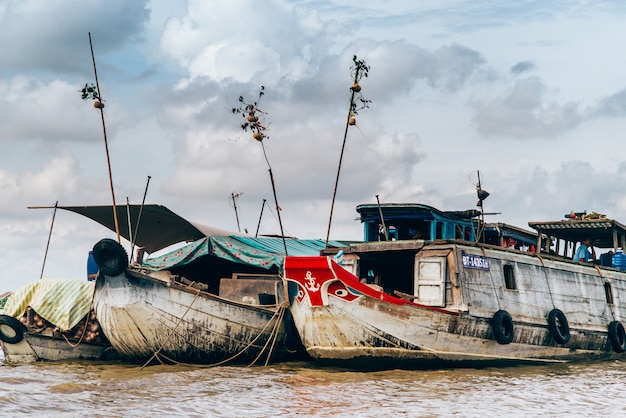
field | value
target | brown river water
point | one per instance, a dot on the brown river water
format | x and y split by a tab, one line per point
98	389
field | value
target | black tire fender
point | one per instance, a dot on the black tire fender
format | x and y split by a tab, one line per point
617	336
502	325
110	257
558	326
11	330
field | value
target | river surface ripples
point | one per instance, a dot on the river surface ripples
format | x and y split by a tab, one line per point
301	389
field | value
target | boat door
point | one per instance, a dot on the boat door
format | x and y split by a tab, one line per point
430	281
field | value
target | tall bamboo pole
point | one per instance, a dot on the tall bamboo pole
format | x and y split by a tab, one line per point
360	70
106	145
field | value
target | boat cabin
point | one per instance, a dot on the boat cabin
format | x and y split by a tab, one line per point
414	221
607	235
406	221
388	260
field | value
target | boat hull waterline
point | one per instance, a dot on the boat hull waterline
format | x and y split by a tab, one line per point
150	318
344	322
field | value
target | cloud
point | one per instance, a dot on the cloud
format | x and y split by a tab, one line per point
56	179
243	40
33	110
49	41
611	106
525	112
522	67
398	65
440	81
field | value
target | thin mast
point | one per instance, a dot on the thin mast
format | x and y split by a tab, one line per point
260	216
54	213
143	201
234	197
106	145
380	212
360	70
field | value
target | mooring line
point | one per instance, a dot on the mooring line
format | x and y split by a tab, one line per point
279	314
156	353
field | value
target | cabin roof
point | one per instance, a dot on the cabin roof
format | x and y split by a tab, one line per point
602	232
411	210
511	231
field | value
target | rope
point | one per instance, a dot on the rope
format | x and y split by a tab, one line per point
599	271
549	289
278	315
493	284
273	335
156	353
91	308
251	342
540	259
80	340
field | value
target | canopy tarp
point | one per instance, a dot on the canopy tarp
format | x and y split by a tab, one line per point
159	227
263	252
62	302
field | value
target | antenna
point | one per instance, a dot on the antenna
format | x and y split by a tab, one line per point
482	195
260	216
234	196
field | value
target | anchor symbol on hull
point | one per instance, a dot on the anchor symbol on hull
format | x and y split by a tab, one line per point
311	285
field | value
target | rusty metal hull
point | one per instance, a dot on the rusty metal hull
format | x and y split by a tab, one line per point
347	323
150	319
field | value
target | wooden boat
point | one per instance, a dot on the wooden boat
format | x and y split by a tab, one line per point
218	299
51	320
450	299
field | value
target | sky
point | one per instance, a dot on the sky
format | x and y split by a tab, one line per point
530	94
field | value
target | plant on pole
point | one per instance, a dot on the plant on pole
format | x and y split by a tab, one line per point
92	92
254	120
358	70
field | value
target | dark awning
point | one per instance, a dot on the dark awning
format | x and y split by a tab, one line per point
159	227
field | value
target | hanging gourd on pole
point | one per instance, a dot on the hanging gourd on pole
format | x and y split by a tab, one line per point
91	92
254	120
358	70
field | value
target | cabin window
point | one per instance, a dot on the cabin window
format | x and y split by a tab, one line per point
608	292
509	277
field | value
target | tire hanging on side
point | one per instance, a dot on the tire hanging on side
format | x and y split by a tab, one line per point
502	325
110	257
11	330
617	336
558	326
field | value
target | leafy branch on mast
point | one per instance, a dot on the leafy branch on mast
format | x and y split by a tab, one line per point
358	70
254	118
90	92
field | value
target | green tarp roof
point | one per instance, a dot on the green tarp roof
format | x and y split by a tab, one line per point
263	252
